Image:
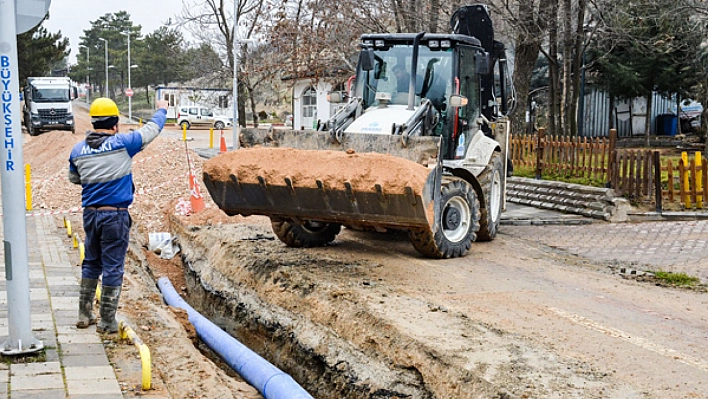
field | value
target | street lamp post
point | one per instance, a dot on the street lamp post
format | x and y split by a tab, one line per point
88	75
105	45
130	98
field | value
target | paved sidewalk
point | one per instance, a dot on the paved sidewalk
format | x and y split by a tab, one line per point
74	363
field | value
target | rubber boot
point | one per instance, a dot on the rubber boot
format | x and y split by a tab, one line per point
87	294
109	306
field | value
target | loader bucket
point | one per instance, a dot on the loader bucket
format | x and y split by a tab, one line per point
366	180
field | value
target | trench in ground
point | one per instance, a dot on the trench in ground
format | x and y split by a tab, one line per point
357	357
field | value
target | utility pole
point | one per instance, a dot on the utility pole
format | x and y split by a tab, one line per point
13	21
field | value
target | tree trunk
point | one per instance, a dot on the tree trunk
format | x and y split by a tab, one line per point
647	121
578	52
252	101
241	104
566	114
553	78
528	44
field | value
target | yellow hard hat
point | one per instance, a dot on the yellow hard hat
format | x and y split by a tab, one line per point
103	107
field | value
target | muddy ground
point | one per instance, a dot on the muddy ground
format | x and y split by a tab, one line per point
367	317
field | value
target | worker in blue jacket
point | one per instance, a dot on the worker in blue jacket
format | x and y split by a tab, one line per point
102	165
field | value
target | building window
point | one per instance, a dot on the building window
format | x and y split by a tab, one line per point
309	102
223	101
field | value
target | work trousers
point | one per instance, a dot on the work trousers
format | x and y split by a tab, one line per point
107	236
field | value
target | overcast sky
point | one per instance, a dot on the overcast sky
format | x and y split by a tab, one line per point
72	17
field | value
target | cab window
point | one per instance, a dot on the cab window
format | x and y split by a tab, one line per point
193	111
206	112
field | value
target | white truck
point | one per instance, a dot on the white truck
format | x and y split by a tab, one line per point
48	105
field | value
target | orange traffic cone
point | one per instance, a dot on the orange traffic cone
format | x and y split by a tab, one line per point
195	196
222	146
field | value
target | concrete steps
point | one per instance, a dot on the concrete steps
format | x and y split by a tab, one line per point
593	202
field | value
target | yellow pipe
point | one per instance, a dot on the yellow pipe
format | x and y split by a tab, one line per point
211	137
686	198
141	122
75	240
98	293
64	218
68	228
127	332
184	132
28	187
699	180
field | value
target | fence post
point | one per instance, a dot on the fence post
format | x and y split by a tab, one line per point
699	181
657	182
684	181
539	153
611	161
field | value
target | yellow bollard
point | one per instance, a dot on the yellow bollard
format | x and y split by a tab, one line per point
64	221
211	137
184	132
28	187
140	123
699	180
68	228
82	253
75	241
98	293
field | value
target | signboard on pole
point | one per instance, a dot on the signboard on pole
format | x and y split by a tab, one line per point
30	13
129	92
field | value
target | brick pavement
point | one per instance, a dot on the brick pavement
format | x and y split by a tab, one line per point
669	246
74	363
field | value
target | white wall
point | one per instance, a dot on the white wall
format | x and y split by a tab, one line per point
323	106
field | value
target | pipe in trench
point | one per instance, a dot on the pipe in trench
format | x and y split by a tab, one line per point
270	381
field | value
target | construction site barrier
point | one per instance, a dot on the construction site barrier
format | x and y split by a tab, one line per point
127	333
270	381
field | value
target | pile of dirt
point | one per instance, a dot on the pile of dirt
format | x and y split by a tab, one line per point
305	167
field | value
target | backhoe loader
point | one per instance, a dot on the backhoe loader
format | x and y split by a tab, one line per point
430	160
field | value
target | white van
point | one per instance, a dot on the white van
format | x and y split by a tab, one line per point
195	115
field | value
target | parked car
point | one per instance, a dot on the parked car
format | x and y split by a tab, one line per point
189	116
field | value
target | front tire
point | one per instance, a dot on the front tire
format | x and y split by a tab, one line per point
307	235
492	183
457	226
184	125
219	125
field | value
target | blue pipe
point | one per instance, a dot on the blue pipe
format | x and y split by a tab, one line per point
270	381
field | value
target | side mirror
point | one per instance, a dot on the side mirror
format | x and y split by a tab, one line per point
457	100
335	97
366	59
481	63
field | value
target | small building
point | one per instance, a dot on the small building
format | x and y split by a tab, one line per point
218	99
309	100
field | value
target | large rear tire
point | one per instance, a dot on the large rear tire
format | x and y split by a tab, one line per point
458	224
307	235
492	182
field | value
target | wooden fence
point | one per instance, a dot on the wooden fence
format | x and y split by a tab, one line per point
641	175
644	176
564	156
